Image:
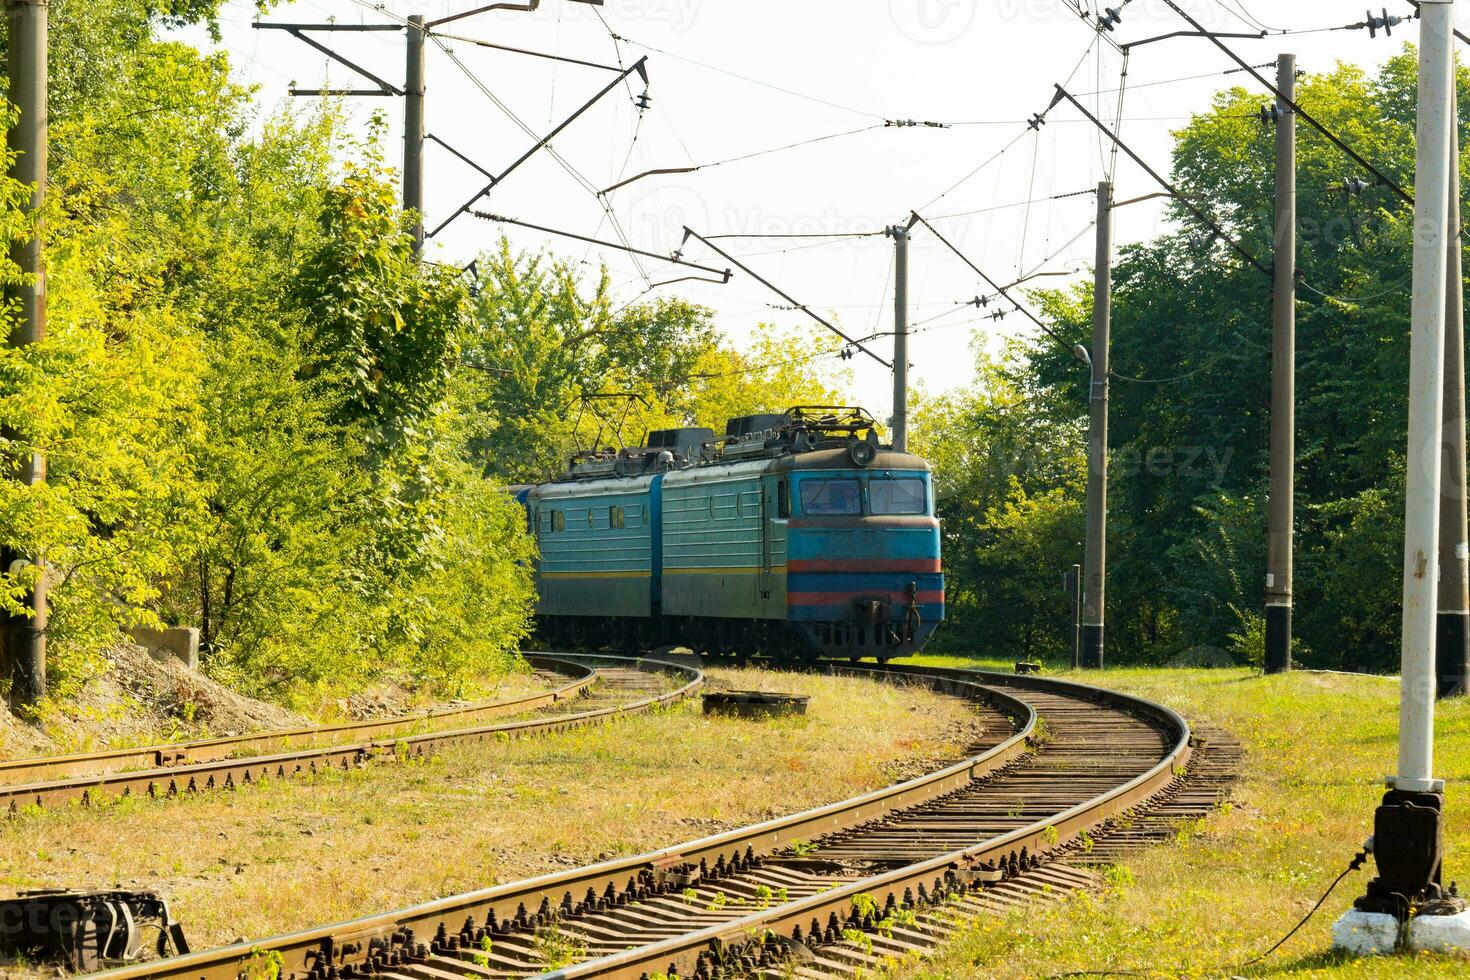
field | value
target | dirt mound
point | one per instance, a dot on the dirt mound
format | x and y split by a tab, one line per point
138	700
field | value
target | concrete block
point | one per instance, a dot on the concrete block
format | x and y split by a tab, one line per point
1365	933
1440	933
178	642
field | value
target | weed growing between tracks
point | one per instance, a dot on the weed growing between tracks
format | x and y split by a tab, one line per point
301	852
1318	747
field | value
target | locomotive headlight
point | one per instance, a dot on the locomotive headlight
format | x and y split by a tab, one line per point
862	453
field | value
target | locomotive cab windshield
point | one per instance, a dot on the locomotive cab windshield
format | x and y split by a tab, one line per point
876	495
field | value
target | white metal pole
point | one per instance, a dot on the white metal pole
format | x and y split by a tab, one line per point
1426	400
900	338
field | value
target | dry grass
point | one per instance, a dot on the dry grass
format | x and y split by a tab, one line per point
1319	747
297	853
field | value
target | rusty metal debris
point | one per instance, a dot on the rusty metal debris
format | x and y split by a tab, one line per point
85	931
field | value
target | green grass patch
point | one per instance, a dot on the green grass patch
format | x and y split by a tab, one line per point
1318	748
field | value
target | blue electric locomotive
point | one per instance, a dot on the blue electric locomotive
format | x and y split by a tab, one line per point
795	535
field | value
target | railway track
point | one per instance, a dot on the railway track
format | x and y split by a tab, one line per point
801	895
593	693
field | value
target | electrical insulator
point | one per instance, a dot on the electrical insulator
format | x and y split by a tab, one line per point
1386	23
1113	18
1354	187
1036	122
1269	114
644	101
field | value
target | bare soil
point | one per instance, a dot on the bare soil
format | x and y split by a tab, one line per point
138	700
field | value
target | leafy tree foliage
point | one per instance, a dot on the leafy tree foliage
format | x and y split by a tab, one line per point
1009	478
1191	391
265	418
541	342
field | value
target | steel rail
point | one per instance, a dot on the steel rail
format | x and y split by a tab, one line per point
934	876
229	772
320	950
210	749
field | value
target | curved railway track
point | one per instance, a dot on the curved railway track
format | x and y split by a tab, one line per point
592	694
790	891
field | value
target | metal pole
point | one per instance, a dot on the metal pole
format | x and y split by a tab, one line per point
25	635
1096	552
413	130
1283	381
1452	649
1076	616
1426	402
900	338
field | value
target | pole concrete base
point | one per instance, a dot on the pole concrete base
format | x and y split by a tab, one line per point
1375	933
1452	654
1278	639
1092	647
1365	933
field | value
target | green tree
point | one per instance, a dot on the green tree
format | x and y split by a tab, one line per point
1191	390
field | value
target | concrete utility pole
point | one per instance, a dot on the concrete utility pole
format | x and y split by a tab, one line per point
25	636
1452	647
1283	381
1408	826
1426	403
900	235
413	130
1095	556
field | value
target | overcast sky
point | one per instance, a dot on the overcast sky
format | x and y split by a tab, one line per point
734	77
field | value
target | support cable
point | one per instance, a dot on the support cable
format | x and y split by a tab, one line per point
540	143
1183	201
1035	123
737	159
1291	104
1074	349
691	233
747	78
675	259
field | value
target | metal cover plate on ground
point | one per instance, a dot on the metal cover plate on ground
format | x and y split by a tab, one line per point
755	704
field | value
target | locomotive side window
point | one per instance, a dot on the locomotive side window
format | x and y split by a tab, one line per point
618	520
558	521
831	498
783	498
903	496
